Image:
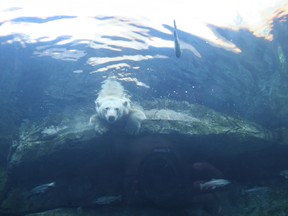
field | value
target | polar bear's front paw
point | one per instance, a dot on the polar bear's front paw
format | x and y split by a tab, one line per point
134	122
92	120
133	127
132	130
100	129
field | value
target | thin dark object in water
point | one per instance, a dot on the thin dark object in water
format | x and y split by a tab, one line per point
176	42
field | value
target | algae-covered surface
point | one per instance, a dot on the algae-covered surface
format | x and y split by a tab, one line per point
190	121
69	151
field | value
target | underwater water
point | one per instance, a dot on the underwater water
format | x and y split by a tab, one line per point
213	87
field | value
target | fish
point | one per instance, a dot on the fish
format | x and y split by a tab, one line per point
42	188
284	173
255	190
176	42
214	183
106	200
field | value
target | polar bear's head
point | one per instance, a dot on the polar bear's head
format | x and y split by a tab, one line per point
112	109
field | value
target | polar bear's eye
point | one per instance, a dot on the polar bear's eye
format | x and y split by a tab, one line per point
107	108
117	109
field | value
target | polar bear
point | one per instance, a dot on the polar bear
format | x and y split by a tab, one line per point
114	108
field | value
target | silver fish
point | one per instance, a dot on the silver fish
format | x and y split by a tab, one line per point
284	173
106	200
42	188
176	42
256	190
214	183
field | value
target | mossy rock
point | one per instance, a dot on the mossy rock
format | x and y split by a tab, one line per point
178	120
65	145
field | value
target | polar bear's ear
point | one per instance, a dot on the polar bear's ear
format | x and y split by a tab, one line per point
97	103
125	103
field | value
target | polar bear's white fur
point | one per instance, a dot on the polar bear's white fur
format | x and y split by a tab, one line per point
113	107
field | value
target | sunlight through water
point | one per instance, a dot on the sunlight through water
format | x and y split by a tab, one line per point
117	25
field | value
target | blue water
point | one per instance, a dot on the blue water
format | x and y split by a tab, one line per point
44	76
248	83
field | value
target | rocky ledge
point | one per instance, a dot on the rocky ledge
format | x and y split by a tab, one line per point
190	124
66	150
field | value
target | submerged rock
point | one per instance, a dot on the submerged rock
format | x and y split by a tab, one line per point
65	149
168	118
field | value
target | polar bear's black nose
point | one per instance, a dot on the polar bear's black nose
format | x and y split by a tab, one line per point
111	118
